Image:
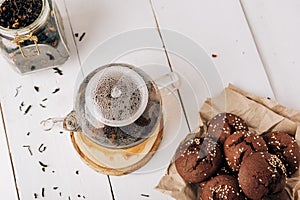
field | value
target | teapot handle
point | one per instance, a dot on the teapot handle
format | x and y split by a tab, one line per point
170	81
69	123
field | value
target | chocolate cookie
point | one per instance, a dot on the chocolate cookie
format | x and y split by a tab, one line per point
223	125
224	170
286	148
222	187
283	195
239	145
262	174
198	159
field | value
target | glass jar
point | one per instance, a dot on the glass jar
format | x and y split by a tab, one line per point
39	45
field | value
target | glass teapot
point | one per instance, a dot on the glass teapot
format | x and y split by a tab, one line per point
117	105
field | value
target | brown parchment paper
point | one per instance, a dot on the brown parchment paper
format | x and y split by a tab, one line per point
261	115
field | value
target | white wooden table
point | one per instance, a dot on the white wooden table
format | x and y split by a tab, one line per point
252	44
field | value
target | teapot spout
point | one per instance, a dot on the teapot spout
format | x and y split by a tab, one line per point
50	123
69	123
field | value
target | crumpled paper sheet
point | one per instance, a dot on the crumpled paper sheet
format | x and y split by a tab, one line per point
261	114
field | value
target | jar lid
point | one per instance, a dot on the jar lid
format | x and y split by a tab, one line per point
116	96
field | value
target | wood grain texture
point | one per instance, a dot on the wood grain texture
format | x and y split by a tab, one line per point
120	19
7	177
221	29
101	20
142	153
275	26
46	164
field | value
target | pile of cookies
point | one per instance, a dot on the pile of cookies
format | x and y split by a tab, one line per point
233	163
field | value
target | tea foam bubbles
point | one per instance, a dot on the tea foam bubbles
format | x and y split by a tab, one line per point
116	96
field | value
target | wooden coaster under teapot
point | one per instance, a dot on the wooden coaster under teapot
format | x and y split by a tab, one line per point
116	162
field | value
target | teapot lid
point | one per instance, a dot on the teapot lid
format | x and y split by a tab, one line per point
116	96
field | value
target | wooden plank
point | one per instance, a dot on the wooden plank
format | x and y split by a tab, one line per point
151	58
45	163
126	32
191	23
7	178
101	20
154	62
275	26
221	29
120	184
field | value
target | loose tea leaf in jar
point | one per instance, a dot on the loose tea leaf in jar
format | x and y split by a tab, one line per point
17	14
32	35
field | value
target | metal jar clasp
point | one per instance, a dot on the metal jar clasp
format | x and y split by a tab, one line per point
18	40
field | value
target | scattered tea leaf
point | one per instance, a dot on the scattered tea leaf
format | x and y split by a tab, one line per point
42	148
29	149
81	37
43	106
57	70
27	110
51	57
56	90
37	88
43	192
42	164
21	105
17	90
